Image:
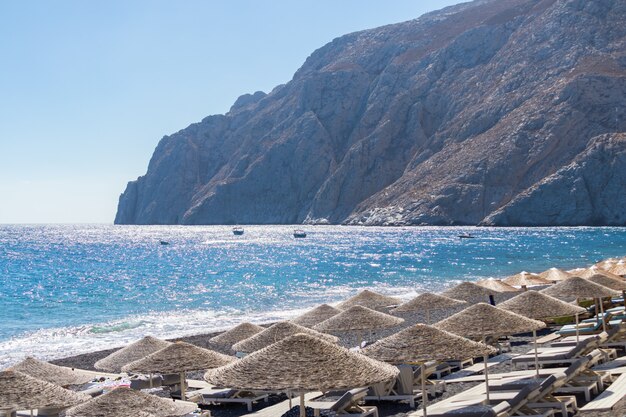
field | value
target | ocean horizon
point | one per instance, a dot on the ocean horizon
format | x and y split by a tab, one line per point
71	289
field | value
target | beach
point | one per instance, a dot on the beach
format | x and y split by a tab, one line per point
520	345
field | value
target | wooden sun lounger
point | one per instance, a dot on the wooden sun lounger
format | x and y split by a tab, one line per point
479	367
607	400
214	395
548	338
282	407
344	404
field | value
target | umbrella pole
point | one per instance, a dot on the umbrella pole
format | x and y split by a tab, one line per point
424	393
485	359
302	409
427	316
536	354
602	315
182	386
289	395
577	330
151	380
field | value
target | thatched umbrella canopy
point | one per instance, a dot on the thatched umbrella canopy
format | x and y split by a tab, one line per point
27	393
134	351
483	320
422	343
525	279
618	269
55	374
427	302
358	319
497	285
589	272
612	283
555	274
302	363
179	357
315	316
607	263
577	287
536	305
470	292
276	332
127	402
369	299
236	334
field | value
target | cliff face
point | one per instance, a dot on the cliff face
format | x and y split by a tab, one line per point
496	112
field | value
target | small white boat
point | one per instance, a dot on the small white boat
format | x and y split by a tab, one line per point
466	236
238	231
299	233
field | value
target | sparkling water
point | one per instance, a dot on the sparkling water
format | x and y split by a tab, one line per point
68	289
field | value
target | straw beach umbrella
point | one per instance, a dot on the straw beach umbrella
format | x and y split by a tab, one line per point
236	334
27	393
55	374
428	301
358	319
607	263
481	320
470	292
302	363
612	283
575	288
589	272
497	285
315	316
179	357
525	279
538	306
369	299
127	402
134	351
618	269
422	343
555	274
276	332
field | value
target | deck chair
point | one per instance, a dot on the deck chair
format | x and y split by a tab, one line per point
400	389
543	398
344	403
557	355
574	381
207	396
140	382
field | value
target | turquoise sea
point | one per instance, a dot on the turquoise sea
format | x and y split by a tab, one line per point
67	289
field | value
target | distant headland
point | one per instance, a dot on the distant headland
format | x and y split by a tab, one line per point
506	113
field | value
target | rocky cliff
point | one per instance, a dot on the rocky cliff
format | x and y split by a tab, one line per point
503	112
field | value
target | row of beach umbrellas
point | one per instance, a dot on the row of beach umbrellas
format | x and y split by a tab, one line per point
301	356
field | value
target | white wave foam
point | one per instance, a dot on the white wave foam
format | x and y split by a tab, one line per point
49	344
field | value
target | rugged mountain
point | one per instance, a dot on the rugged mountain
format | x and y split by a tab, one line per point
502	112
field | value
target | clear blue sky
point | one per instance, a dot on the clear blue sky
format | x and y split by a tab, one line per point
87	88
